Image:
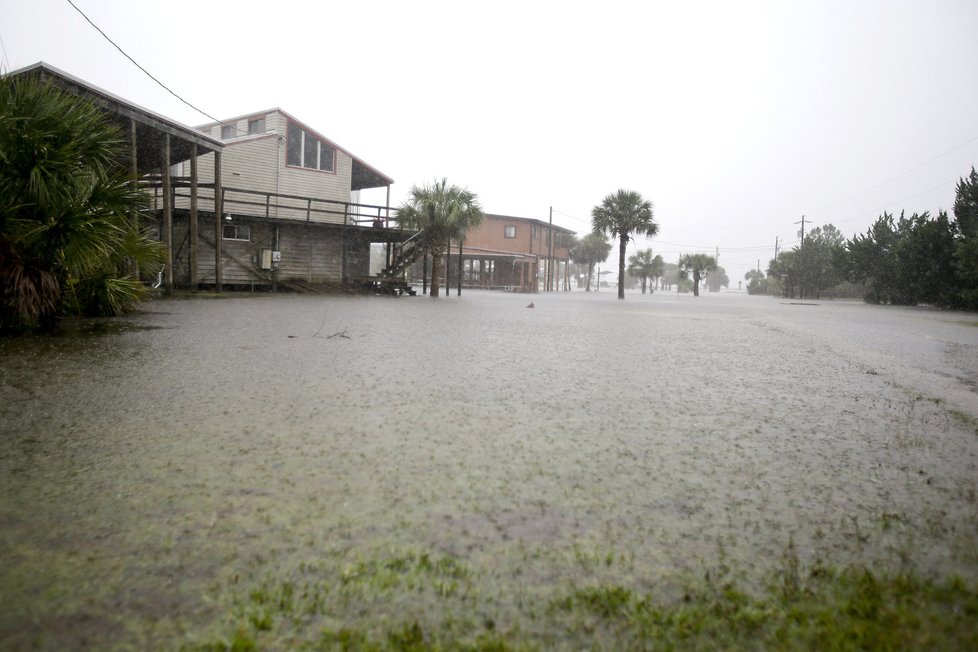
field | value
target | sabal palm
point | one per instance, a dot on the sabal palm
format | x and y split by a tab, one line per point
442	212
623	214
699	265
590	250
66	233
645	266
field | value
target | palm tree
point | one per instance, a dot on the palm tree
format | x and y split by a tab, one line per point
590	250
622	214
645	266
443	212
66	233
699	265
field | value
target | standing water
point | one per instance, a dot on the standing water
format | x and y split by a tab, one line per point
467	459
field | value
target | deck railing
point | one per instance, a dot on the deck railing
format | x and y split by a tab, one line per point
274	205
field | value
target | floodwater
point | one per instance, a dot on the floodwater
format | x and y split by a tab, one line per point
153	465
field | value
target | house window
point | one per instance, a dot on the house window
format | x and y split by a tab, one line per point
240	232
304	150
509	231
293	146
227	131
256	126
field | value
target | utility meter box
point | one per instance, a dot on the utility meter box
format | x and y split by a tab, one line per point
276	257
265	259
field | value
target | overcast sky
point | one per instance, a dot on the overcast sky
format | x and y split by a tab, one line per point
734	118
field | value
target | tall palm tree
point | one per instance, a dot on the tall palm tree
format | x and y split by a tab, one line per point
66	234
645	266
699	265
443	212
622	214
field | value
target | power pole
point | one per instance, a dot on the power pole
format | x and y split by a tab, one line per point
802	247
550	252
717	257
775	248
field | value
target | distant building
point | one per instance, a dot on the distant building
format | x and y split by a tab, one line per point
513	253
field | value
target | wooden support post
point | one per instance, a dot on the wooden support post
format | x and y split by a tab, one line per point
194	249
424	274
460	268
448	259
167	215
134	180
133	167
346	221
218	222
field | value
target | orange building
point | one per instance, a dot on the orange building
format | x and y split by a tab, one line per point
512	253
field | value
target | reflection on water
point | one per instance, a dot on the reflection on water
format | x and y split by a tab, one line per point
151	461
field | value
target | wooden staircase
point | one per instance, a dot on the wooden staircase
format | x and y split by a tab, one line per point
391	280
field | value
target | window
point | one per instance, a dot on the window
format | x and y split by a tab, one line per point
325	157
236	232
256	126
293	146
509	231
227	131
306	151
310	152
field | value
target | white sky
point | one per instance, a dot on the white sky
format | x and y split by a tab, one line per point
734	118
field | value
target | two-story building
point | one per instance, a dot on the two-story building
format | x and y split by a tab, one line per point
290	211
513	253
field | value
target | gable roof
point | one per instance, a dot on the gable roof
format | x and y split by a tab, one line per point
364	174
148	123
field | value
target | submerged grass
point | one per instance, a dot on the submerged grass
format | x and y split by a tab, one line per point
817	608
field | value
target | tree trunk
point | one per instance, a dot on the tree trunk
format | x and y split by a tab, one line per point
643	285
436	263
590	270
621	265
696	283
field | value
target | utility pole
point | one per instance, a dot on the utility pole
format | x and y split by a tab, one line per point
802	247
550	252
775	248
717	257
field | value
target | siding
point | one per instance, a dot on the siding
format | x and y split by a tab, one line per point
310	253
257	163
490	234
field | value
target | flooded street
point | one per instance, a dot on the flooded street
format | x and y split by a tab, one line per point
153	468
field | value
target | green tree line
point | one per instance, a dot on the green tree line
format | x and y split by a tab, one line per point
905	260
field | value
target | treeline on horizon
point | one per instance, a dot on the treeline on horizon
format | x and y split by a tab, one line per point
902	260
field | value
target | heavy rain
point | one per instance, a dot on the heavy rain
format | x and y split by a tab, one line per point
310	336
157	467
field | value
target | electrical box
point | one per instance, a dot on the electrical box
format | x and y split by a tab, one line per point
265	259
276	256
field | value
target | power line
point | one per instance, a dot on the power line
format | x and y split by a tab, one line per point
899	176
148	74
898	201
6	61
